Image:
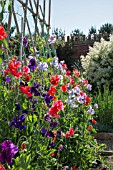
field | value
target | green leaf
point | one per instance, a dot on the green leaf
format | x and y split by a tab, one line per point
43	59
31	49
0	60
10	6
5	42
32	118
49	60
1	52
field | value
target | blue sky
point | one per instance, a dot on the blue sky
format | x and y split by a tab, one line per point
71	14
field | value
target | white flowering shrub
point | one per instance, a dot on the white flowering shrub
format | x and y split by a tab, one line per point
98	63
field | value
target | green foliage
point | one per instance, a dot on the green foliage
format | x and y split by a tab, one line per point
104	113
92	30
76	32
106	28
58	32
2	4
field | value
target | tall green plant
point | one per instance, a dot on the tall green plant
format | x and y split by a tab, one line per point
104	114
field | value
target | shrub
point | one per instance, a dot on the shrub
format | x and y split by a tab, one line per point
98	63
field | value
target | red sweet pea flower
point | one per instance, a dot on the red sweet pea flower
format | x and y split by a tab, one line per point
64	66
13	68
25	90
53	111
25	69
94	121
3	34
76	73
88	100
90	128
54	98
68	73
59	104
1	167
56	107
74	168
72	81
55	80
27	76
52	154
12	88
52	90
85	82
71	132
64	88
82	93
67	135
54	139
23	146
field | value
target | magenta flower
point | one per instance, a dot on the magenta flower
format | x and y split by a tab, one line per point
8	152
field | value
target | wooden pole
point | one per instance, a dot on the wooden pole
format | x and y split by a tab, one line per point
21	41
49	16
25	16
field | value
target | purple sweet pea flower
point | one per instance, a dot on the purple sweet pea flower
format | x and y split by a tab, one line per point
47	133
91	110
54	62
47	98
52	39
47	117
7	80
25	42
8	152
89	87
25	111
52	144
32	64
67	167
96	105
18	120
60	148
18	106
53	124
35	89
43	66
80	99
59	67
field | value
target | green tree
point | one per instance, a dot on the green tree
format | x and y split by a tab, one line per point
76	32
92	30
58	32
106	28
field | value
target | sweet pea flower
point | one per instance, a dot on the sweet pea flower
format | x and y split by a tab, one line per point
43	66
8	152
52	39
91	110
54	62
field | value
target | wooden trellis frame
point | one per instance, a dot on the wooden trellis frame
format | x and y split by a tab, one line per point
34	7
38	13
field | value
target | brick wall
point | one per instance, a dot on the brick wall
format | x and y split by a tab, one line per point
80	44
